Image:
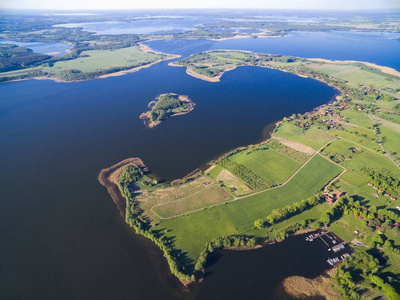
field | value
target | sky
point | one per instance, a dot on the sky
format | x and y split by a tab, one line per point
173	4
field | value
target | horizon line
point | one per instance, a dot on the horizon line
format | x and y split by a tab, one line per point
203	8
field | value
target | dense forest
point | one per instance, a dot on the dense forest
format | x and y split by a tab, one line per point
167	105
13	57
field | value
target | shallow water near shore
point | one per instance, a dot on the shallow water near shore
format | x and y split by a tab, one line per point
62	236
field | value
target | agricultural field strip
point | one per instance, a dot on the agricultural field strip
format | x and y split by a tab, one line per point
238	179
266	166
341	173
370	150
176	200
350	124
376	135
259	192
344	181
388	124
379	143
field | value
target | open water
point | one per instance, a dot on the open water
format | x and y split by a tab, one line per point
61	235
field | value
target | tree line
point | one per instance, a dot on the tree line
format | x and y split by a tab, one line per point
281	214
245	174
224	242
384	179
129	176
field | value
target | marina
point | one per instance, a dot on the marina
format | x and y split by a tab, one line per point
337	249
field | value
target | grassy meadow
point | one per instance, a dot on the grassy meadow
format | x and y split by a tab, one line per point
96	60
191	232
269	164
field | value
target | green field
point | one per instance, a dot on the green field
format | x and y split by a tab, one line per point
357	118
366	157
313	137
352	73
269	164
311	214
202	199
93	63
95	60
390	139
359	135
191	232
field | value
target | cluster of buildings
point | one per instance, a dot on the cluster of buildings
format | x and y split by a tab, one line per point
331	198
380	191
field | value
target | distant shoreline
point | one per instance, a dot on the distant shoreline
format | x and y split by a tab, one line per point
144	48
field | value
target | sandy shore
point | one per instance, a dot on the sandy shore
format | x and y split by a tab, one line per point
114	74
386	70
52	53
203	77
260	35
109	178
135	69
238	36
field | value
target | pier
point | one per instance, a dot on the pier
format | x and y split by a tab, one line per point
334	246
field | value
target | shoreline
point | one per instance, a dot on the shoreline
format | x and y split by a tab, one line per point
190	72
113	74
384	69
304	288
238	36
108	178
133	70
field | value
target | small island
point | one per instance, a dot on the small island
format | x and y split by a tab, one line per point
166	106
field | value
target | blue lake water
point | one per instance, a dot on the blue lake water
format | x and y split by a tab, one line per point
63	238
56	49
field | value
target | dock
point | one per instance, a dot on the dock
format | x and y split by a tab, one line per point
337	250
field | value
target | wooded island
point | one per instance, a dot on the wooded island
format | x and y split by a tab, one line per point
166	106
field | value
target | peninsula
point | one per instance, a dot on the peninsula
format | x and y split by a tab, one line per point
335	168
166	106
89	64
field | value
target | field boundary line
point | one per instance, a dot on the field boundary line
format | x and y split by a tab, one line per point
380	143
256	193
179	199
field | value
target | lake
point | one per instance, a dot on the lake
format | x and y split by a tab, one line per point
62	236
143	25
55	49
